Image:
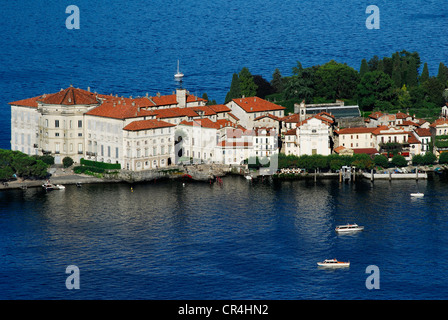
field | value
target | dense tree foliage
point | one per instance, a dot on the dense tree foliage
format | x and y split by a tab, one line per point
20	164
387	84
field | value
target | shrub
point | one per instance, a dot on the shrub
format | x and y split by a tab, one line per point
67	162
102	165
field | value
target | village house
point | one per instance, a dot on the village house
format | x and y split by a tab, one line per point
439	132
148	145
251	108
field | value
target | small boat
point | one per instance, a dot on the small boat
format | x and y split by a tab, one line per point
349	228
78	184
417	194
48	186
179	75
248	177
59	187
333	263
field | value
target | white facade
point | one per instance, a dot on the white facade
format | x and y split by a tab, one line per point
148	147
313	137
24	132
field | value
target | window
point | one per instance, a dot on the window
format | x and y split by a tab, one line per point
116	152
108	151
56	123
79	123
56	134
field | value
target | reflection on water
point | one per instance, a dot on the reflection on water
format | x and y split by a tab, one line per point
244	239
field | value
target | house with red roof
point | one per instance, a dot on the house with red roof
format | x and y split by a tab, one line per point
148	144
251	108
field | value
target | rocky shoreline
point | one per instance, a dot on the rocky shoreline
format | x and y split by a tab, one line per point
202	172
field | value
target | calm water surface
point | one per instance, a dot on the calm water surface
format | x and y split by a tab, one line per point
242	240
130	48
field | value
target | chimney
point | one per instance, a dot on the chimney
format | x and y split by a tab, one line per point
88	89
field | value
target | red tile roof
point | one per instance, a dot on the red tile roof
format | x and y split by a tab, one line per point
375	115
30	102
119	108
423	132
70	96
401	115
365	150
171	99
268	116
412	139
439	122
256	104
147	124
218	108
207	123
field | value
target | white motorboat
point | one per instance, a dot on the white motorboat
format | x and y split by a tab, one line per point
349	228
48	186
333	263
60	187
248	177
417	194
179	75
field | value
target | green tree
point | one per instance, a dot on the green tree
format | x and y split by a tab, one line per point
404	98
300	86
375	88
39	170
417	160
425	74
247	85
381	160
373	63
442	74
399	161
336	81
396	70
433	90
429	158
412	73
277	82
235	89
6	173
364	68
443	158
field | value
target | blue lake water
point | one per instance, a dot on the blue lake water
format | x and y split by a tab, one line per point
242	240
130	48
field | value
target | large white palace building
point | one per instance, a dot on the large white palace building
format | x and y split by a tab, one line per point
143	132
